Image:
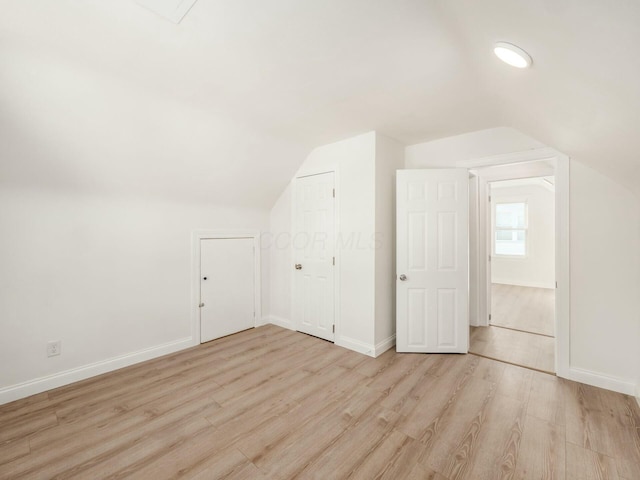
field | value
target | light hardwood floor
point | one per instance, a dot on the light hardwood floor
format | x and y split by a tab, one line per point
269	403
520	348
523	308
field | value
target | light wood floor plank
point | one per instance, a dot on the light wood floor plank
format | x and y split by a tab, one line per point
527	309
274	404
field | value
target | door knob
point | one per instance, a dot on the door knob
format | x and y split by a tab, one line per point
298	266
403	277
204	278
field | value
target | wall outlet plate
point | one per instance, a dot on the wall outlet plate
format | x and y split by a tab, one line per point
54	348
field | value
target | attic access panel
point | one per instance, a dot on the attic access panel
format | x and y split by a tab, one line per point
172	10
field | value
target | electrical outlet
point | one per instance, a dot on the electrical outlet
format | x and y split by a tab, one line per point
53	348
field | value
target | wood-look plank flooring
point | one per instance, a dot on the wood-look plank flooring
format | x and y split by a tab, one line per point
269	403
523	308
520	348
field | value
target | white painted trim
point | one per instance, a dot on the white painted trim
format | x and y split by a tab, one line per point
42	384
563	267
196	237
595	379
281	322
384	345
535	154
261	322
504	281
474	252
355	345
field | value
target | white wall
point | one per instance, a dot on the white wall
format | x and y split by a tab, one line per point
109	276
537	268
605	267
605	280
102	181
278	243
389	158
447	151
354	161
365	166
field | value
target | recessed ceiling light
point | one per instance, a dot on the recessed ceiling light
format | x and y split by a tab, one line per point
514	56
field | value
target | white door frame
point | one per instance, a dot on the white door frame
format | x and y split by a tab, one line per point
196	237
562	232
336	227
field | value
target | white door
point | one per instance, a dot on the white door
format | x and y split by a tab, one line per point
432	261
314	250
227	289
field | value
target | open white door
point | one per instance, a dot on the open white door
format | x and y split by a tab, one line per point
314	250
432	261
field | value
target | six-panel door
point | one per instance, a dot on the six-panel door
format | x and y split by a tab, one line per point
314	250
432	261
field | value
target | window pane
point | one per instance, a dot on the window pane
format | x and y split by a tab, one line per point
510	242
511	215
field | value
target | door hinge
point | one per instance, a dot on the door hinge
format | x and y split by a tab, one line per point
334	329
334	193
489	257
334	261
489	197
489	317
556	284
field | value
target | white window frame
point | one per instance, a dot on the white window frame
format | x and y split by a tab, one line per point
503	201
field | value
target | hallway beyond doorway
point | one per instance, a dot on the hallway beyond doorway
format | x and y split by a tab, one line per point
522	328
526	309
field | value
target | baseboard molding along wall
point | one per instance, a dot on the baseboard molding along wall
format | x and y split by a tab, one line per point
603	381
356	345
385	345
42	384
281	322
524	284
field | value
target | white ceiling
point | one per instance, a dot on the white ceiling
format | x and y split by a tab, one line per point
304	73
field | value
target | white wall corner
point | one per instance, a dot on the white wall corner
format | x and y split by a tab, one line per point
608	382
385	345
42	384
356	345
279	321
262	321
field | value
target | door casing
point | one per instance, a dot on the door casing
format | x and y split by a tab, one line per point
196	237
562	245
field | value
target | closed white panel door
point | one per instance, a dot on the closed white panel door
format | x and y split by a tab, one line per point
227	289
314	250
432	261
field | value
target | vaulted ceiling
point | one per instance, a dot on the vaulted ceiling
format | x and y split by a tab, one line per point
226	104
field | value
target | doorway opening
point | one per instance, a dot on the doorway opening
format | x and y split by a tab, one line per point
522	272
517	241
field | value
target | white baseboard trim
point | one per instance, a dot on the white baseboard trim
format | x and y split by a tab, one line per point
638	394
385	345
524	284
356	345
42	384
262	321
281	322
603	381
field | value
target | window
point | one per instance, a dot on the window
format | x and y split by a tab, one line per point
510	232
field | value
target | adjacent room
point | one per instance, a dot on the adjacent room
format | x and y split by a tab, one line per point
354	239
522	265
